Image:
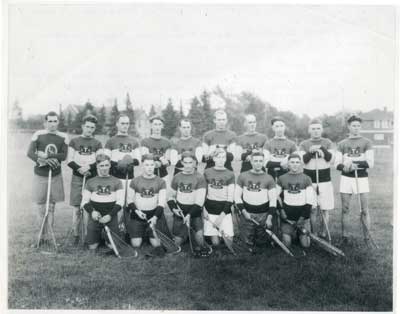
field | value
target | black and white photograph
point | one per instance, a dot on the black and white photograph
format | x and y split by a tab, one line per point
199	156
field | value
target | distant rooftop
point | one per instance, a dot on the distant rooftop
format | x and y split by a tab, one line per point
378	114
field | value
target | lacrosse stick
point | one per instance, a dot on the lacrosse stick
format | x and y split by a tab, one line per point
274	237
82	225
367	233
125	222
318	206
169	245
110	238
278	215
124	249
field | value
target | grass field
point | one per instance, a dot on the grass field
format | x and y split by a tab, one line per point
269	281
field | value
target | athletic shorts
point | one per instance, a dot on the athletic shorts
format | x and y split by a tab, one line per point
226	226
348	185
251	232
94	229
326	199
179	229
291	230
138	228
39	190
75	196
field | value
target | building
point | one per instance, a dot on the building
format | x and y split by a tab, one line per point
378	126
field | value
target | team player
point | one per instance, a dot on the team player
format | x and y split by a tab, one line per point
298	197
82	160
102	198
255	197
221	137
186	200
220	193
158	146
48	148
250	142
185	143
146	198
318	153
354	154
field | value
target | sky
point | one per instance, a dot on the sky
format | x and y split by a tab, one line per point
306	59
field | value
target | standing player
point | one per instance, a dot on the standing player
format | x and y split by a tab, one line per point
250	142
188	191
158	146
48	149
255	197
355	152
317	153
146	198
102	198
82	160
221	137
298	197
220	193
185	143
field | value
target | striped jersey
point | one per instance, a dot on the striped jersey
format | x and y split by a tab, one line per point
310	160
356	148
277	150
158	147
82	152
248	142
255	187
103	193
118	146
185	145
54	144
220	139
220	189
145	192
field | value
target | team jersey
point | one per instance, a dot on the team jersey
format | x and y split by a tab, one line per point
147	193
82	152
220	190
158	147
252	190
323	163
191	144
249	142
103	193
117	147
54	144
278	149
190	189
359	150
220	139
298	194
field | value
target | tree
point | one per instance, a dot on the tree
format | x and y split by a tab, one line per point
101	120
61	125
170	116
181	114
131	114
152	111
196	117
16	120
69	122
208	114
334	129
114	118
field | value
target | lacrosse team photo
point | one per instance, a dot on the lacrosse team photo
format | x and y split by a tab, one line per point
200	157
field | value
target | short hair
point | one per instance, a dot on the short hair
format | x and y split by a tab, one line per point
315	121
187	154
294	155
51	114
218	151
250	115
185	120
156	117
102	157
89	118
148	157
255	154
220	113
123	115
353	118
277	118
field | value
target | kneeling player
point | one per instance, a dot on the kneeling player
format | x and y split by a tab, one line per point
102	199
220	192
255	197
298	197
146	199
188	191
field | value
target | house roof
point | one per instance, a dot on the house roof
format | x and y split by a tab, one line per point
377	114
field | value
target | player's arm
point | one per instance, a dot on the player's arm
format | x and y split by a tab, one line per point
137	156
369	159
32	149
230	152
71	158
162	198
305	154
310	199
119	202
172	201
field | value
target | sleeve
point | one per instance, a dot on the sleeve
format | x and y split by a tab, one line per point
86	195
272	197
201	190
131	192
162	196
306	155
32	150
238	197
144	149
71	155
327	150
339	158
310	192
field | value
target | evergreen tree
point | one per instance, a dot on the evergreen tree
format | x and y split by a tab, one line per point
170	116
181	114
113	119
208	115
101	120
69	122
131	114
196	117
152	111
61	125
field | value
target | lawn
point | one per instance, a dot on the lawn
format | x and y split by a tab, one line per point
362	281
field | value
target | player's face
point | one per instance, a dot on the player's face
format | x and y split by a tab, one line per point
220	122
257	162
188	164
315	130
148	167
220	160
156	127
251	124
185	128
51	123
355	127
103	168
123	125
88	128
279	128
294	164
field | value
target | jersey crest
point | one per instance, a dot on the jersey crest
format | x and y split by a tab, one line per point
51	149
354	152
251	146
254	187
103	190
280	152
125	147
294	188
185	187
217	184
147	193
85	150
158	152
